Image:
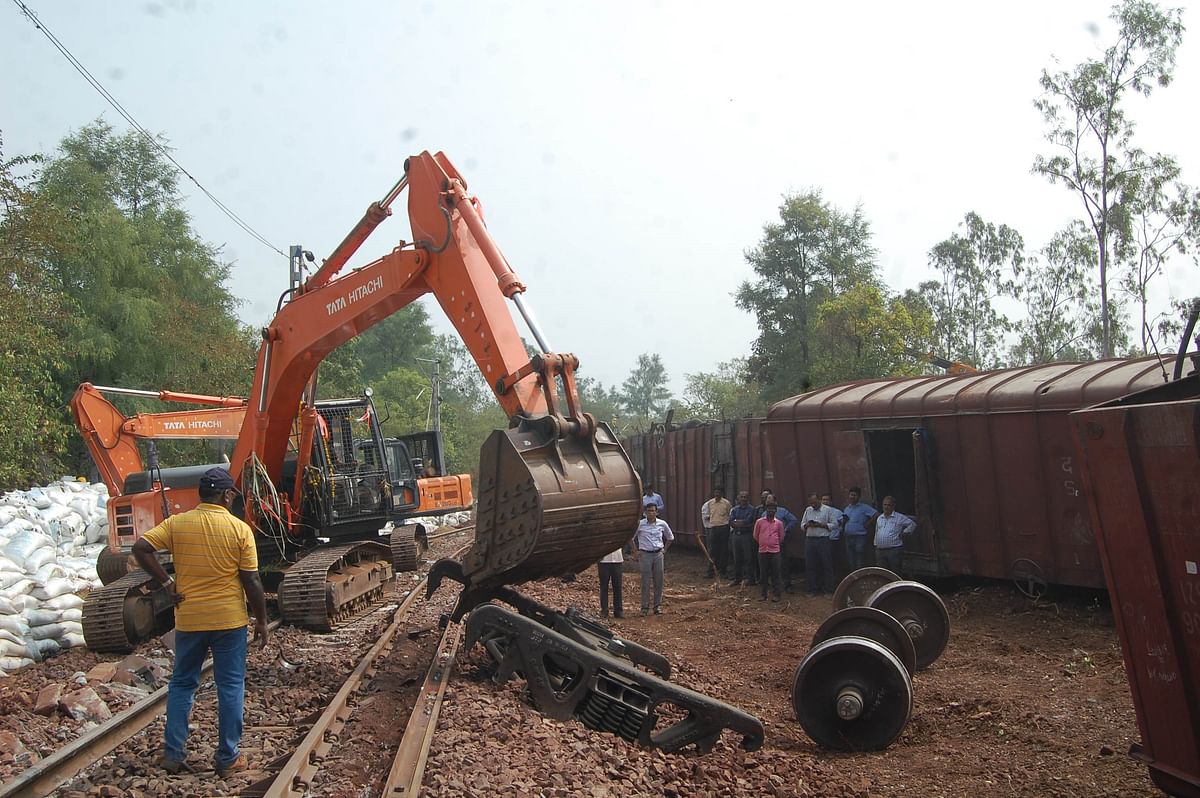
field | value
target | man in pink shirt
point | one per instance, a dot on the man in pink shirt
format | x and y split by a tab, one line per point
768	533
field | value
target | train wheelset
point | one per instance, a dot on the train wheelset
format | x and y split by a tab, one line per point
853	690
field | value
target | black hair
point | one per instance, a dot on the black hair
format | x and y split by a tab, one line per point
211	493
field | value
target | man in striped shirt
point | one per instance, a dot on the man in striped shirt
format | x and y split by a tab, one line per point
215	558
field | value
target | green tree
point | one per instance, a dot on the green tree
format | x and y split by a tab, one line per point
1160	217
33	318
864	333
135	271
644	394
727	392
403	340
1088	126
1062	320
976	268
603	403
814	251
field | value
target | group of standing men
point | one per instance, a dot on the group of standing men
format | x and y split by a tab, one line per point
746	543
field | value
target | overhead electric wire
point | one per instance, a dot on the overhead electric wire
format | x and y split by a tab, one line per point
82	70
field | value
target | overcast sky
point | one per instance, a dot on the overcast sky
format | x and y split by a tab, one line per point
626	154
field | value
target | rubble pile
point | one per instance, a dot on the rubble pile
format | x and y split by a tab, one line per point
49	539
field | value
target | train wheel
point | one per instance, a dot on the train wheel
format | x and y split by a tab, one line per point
852	694
857	587
922	614
874	625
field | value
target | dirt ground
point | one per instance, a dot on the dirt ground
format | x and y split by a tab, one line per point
1028	699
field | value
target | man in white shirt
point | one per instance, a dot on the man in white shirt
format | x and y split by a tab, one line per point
611	567
891	528
652	538
819	522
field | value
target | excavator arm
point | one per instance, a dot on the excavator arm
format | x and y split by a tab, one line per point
557	491
112	438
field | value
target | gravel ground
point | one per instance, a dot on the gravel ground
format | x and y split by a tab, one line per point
1029	699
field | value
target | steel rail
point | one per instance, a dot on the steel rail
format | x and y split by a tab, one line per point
455	531
408	767
295	776
45	776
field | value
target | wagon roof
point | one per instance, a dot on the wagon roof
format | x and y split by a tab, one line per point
1048	386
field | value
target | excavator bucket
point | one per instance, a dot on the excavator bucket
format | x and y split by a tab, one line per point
550	503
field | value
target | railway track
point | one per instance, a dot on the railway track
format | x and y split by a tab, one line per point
55	770
103	755
296	773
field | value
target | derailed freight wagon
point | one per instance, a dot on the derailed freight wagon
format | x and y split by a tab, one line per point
685	463
1141	466
984	462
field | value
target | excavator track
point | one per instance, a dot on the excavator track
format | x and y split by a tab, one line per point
406	551
335	583
122	614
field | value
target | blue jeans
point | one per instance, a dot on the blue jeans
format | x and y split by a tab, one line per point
228	648
856	550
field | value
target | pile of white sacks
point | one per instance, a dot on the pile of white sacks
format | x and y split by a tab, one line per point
49	540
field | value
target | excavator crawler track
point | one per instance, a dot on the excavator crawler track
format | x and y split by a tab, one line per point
406	553
335	583
123	613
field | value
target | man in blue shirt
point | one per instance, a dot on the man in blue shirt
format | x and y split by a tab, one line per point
741	527
891	528
652	538
650	497
858	515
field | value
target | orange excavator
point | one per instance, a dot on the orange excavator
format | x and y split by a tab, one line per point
350	431
556	490
556	493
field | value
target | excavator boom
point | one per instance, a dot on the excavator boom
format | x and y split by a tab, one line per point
556	490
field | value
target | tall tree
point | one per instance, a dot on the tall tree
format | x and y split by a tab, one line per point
645	394
727	392
1160	217
1087	124
33	320
976	268
602	402
135	271
865	333
813	251
1062	320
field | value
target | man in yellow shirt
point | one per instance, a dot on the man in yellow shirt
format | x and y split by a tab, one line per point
216	562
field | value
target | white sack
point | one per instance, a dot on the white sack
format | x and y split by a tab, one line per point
14	663
24	544
19	588
72	640
52	589
14	624
67	601
50	570
39	558
7	607
53	631
41	617
11	649
73	614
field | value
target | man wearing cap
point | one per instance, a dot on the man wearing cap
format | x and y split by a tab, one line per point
216	563
652	538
